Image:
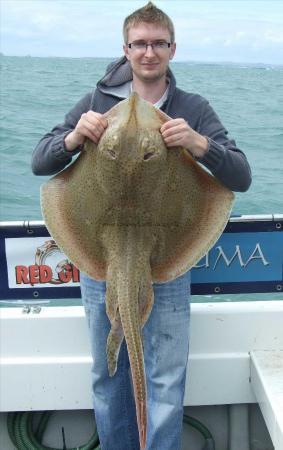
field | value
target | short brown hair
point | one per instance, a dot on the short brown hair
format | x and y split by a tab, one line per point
149	14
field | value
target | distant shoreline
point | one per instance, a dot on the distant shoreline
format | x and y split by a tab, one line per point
109	58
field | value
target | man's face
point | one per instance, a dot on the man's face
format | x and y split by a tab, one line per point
149	65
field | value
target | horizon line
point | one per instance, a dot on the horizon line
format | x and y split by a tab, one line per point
172	62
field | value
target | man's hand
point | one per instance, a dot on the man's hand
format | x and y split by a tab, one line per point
177	133
91	125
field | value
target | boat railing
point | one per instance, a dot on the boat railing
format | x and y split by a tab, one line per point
248	258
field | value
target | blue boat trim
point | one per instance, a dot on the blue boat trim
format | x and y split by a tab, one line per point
237	288
248	258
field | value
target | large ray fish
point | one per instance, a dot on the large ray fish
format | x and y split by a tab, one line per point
132	212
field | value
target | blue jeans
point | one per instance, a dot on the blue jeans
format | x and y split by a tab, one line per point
166	345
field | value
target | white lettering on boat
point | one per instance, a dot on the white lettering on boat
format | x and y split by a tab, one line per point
256	254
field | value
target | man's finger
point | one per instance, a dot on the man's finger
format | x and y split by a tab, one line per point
92	124
174	139
95	119
89	131
95	127
171	124
176	129
102	122
91	136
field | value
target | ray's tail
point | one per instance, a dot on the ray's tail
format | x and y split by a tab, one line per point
129	300
128	292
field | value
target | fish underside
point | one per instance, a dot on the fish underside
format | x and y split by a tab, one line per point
132	212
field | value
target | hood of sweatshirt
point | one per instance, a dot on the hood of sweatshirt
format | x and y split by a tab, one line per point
118	77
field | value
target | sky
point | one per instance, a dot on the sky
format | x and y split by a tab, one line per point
249	31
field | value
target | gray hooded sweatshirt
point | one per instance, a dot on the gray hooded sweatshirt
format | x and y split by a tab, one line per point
223	159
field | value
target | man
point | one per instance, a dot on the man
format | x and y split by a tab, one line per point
149	46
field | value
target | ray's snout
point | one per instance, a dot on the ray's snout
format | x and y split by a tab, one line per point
128	149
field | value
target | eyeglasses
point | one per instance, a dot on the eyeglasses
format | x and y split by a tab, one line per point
156	45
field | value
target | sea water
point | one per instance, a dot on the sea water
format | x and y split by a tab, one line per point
36	93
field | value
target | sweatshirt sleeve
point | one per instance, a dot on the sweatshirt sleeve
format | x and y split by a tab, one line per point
50	155
224	160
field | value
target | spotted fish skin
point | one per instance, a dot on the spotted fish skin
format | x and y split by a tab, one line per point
132	212
129	300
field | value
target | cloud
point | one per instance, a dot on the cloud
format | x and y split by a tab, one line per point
60	27
273	36
205	30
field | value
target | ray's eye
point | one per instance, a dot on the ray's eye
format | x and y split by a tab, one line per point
111	153
148	149
148	155
111	147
